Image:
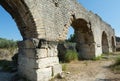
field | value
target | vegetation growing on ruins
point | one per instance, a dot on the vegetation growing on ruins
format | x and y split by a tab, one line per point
71	55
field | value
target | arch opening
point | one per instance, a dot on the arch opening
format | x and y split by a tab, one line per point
81	40
105	47
84	39
9	36
71	34
23	17
6	20
20	12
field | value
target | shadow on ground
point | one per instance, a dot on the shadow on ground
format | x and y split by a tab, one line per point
115	79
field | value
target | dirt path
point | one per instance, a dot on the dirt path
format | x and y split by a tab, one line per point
91	71
83	71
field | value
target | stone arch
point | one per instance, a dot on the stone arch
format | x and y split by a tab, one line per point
71	18
84	39
22	16
113	44
105	46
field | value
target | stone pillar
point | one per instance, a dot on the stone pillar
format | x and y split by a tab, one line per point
86	51
38	59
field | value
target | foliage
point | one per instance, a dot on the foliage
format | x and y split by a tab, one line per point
72	38
10	46
71	55
4	43
118	39
63	49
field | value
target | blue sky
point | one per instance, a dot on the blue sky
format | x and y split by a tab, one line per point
108	10
8	27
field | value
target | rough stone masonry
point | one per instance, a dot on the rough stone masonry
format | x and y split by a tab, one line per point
43	23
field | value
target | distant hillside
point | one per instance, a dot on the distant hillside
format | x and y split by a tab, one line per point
5	43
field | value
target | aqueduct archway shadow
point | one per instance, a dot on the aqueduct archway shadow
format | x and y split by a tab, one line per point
84	39
113	44
105	47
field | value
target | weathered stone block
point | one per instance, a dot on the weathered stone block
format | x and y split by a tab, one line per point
29	53
44	74
57	68
47	62
26	44
29	43
51	52
34	53
41	53
28	73
27	62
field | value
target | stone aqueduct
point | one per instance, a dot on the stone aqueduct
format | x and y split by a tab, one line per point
43	23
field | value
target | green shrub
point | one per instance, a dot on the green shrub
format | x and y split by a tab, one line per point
64	49
71	55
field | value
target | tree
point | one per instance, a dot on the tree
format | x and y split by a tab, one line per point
117	39
72	38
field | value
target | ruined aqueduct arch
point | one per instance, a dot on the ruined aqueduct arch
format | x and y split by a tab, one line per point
43	23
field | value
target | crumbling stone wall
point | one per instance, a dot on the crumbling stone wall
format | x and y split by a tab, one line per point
38	59
50	20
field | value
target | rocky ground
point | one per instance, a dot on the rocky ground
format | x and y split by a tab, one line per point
87	70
